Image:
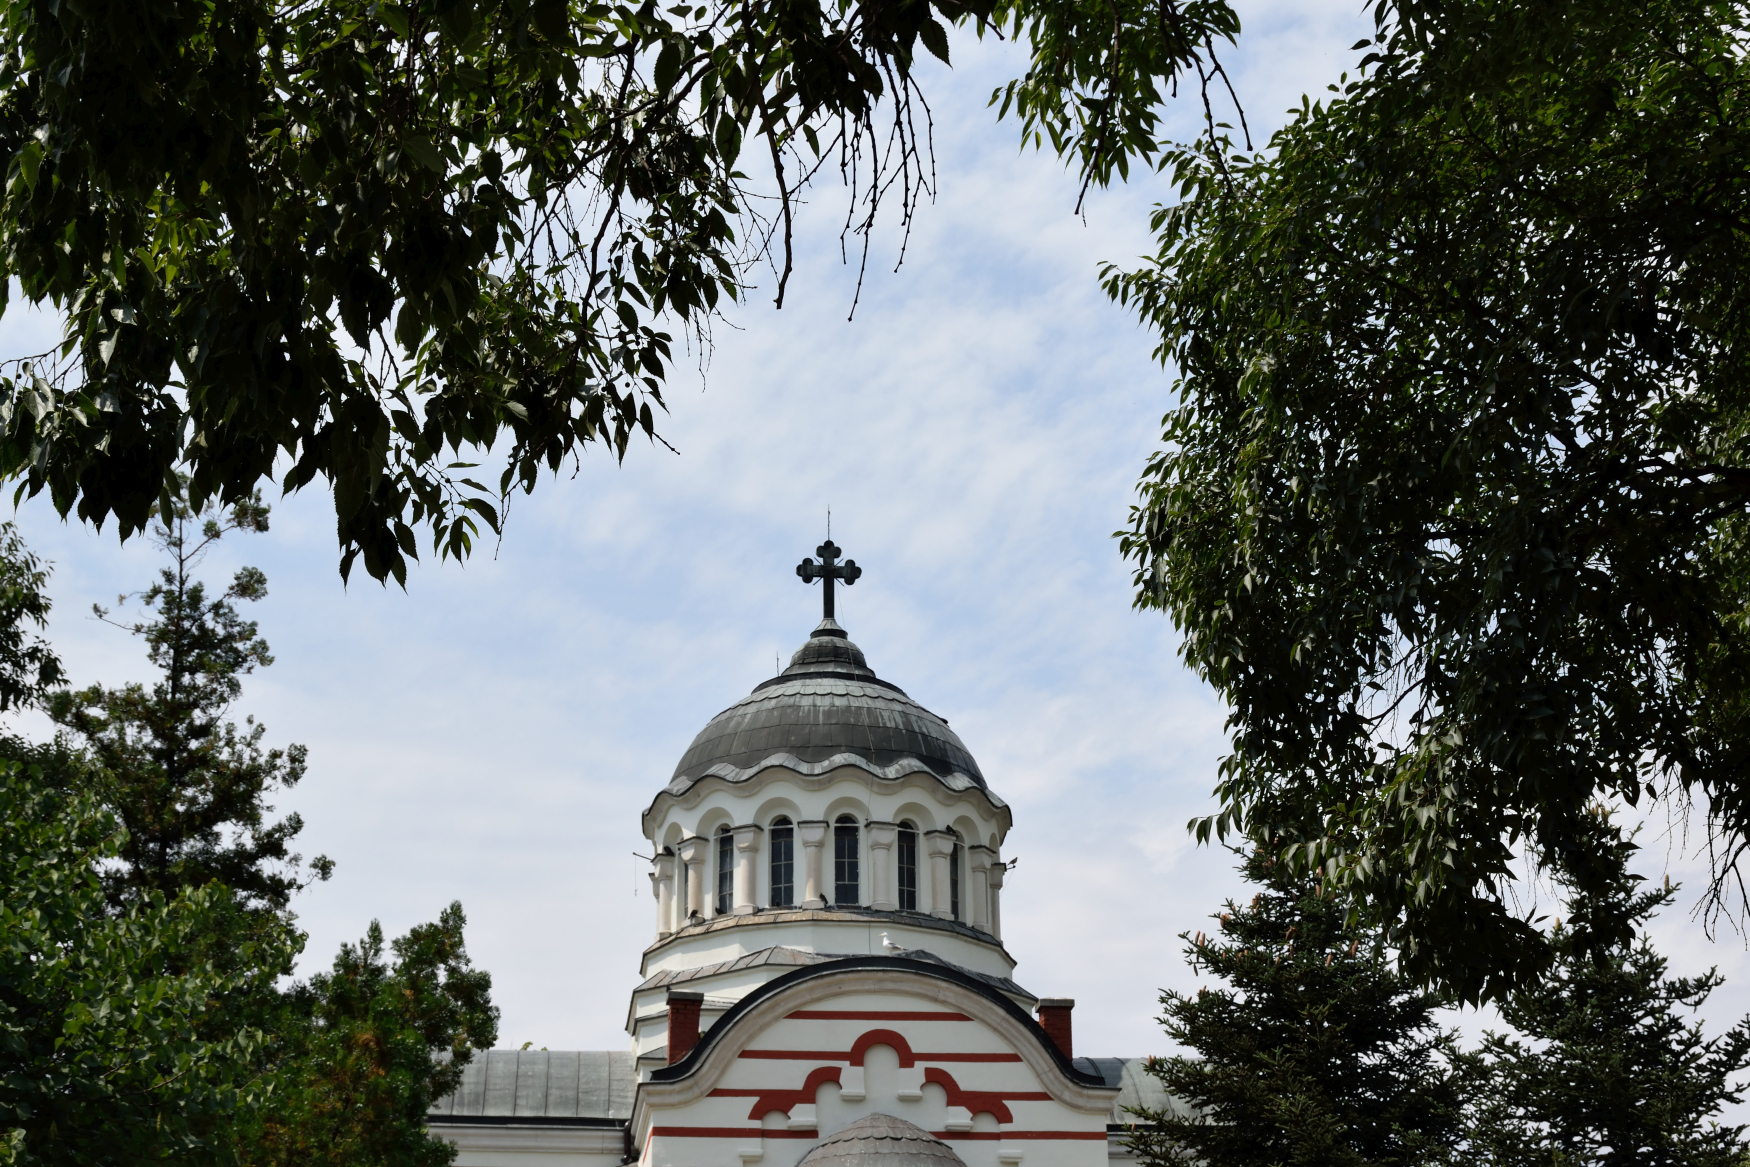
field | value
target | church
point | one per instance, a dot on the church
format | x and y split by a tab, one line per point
827	982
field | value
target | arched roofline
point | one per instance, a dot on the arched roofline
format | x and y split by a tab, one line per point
817	776
756	1003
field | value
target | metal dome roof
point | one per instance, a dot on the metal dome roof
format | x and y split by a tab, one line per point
827	709
881	1140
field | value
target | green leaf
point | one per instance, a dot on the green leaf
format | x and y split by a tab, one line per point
935	38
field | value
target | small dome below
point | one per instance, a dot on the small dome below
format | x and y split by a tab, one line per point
881	1140
828	707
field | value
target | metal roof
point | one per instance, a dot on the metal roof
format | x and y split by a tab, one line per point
880	1140
582	1086
780	955
827	709
1136	1086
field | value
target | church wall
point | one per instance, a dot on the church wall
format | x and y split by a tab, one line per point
939	1056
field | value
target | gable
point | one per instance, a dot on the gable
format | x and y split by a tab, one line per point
829	1045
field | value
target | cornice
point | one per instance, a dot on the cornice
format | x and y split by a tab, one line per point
768	916
787	767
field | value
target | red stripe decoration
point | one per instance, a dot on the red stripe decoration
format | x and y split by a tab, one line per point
818	1055
728	1132
871	1015
999	1136
745	1132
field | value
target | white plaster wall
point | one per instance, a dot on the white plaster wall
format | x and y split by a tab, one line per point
725	1127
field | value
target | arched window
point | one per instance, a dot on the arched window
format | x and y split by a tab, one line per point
846	880
908	867
954	877
725	870
783	863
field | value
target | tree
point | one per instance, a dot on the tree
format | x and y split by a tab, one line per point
108	1048
189	785
1315	1052
1602	1068
29	668
371	237
1455	497
372	1045
141	1013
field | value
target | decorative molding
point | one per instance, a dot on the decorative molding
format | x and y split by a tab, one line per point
817	776
727	1044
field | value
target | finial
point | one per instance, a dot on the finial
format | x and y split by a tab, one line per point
827	570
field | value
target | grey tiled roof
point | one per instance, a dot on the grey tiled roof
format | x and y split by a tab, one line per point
583	1085
827	709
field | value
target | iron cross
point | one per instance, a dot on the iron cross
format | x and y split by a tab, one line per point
826	571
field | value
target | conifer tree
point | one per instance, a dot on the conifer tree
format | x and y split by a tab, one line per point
1603	1069
1314	1052
191	786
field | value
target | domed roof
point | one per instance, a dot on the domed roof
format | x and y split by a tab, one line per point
827	709
882	1141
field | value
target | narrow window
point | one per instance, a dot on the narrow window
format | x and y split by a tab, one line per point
908	868
725	870
954	878
783	863
845	877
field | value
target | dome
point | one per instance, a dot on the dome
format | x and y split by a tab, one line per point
828	708
882	1141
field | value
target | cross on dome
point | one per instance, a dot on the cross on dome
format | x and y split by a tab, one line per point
827	571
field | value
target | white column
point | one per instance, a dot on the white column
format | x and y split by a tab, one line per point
940	847
978	860
881	838
747	853
997	871
692	852
663	877
812	832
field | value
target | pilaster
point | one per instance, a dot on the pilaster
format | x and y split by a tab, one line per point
663	879
813	834
692	852
978	863
747	852
881	838
998	869
939	845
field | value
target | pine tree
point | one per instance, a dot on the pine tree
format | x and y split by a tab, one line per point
1315	1052
1603	1069
191	786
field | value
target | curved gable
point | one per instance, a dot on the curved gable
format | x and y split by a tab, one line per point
808	1054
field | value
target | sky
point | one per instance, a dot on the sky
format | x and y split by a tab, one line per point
492	734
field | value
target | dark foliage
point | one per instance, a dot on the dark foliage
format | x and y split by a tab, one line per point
369	238
1454	502
190	786
118	1041
1603	1065
372	1044
1313	1052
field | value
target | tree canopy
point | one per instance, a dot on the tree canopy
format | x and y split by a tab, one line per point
1454	500
1606	1064
361	241
1313	1051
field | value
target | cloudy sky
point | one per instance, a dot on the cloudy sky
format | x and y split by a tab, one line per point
492	734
